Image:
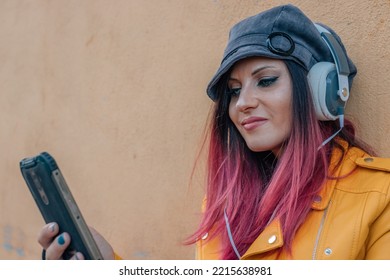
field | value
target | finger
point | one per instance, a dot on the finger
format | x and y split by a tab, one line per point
46	235
104	247
78	256
58	247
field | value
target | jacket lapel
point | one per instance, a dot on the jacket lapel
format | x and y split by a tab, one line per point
271	238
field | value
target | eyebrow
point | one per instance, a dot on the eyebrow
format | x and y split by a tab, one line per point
257	70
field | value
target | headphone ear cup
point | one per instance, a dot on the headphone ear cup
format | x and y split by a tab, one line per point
318	78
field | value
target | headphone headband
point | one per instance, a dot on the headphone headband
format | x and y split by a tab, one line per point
340	60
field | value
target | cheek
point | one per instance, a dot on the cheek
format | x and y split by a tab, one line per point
287	119
233	113
284	105
286	113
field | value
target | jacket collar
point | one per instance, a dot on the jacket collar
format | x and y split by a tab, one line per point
272	238
322	200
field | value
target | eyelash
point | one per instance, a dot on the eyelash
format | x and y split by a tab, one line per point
266	82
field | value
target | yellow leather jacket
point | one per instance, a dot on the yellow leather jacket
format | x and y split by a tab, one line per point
350	218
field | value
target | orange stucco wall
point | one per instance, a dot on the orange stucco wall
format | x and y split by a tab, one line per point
115	90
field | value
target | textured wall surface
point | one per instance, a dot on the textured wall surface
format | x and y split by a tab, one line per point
115	90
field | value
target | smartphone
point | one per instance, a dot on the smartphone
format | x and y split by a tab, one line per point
56	203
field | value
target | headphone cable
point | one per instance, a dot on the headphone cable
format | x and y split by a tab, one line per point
229	232
341	120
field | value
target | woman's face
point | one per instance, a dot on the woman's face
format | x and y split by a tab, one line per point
260	106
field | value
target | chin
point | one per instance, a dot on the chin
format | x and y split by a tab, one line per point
257	148
261	147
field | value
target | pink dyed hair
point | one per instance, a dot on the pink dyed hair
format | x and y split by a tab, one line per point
253	188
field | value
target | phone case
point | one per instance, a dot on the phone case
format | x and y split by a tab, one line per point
56	203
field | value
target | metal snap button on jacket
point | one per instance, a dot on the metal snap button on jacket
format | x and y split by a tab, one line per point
328	251
272	239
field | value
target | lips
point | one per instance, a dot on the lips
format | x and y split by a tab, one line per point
252	122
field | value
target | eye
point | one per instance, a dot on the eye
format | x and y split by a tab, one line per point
266	82
234	91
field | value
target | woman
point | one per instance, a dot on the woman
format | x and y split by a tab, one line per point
287	179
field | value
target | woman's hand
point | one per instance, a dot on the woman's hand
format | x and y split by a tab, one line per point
55	244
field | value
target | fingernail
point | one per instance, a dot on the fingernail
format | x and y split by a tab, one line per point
61	239
52	227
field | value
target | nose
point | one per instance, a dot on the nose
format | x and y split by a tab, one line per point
246	100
